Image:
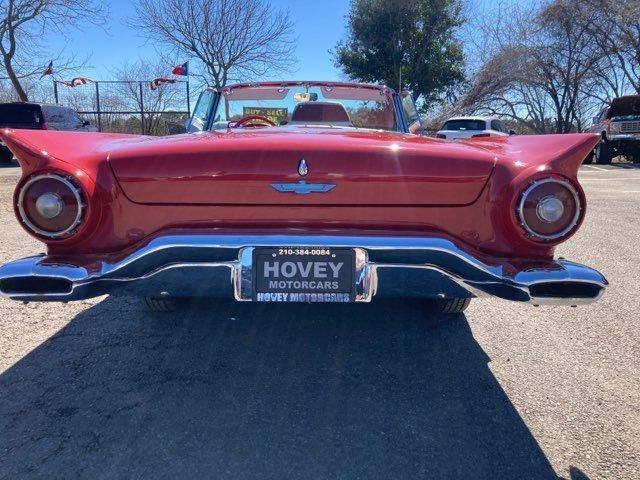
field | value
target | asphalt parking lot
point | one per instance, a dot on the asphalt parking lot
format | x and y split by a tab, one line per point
103	389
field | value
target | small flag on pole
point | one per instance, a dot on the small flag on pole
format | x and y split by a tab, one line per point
181	69
76	82
48	70
158	82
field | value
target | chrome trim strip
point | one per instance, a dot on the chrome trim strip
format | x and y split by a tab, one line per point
623	136
409	255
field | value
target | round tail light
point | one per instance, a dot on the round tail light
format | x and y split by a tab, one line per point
50	205
549	209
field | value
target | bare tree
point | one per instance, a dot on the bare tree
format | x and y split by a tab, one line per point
23	23
33	88
158	104
542	67
234	39
566	59
616	30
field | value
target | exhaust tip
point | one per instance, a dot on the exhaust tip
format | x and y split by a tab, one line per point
34	285
573	290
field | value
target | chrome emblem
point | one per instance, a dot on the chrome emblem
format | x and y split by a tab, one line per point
303	169
303	188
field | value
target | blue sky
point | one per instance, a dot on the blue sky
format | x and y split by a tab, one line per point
319	25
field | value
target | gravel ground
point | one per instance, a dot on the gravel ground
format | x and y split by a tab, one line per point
102	389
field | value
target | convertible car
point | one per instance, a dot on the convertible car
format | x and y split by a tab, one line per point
300	192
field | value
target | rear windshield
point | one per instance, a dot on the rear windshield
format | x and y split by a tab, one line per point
324	105
464	125
16	115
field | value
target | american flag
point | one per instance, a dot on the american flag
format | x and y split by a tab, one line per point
48	70
158	82
76	82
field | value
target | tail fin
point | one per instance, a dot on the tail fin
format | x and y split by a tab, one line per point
561	153
32	147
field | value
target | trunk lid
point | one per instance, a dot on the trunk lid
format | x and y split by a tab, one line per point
263	167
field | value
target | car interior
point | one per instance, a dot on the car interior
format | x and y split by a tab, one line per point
320	113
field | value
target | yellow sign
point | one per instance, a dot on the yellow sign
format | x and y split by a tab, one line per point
276	115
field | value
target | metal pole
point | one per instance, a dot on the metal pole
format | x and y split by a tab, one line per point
98	107
141	111
188	99
55	91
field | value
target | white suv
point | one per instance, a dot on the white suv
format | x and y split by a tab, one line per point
468	127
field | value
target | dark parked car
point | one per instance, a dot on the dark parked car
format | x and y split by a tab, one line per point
37	116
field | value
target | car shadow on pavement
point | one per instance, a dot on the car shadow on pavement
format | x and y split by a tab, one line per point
261	391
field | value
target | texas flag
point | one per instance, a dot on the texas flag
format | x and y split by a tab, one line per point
181	69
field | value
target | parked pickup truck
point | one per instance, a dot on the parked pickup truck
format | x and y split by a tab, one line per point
619	126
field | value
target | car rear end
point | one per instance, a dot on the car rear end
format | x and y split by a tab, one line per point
241	216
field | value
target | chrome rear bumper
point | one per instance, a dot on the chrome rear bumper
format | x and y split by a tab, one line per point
220	266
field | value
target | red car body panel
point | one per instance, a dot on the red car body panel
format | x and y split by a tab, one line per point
386	183
368	167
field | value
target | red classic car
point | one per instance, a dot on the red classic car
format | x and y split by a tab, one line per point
300	192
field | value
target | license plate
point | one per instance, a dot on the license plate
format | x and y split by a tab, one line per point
301	274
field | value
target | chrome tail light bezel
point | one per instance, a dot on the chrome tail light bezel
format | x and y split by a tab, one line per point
564	232
75	191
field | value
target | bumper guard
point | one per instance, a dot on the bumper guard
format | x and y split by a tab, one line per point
220	266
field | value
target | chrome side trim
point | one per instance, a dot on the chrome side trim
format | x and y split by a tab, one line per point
178	264
623	136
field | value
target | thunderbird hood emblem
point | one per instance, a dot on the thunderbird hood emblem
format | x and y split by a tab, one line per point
303	188
303	169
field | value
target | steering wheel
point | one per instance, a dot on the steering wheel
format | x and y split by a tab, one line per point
253	121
